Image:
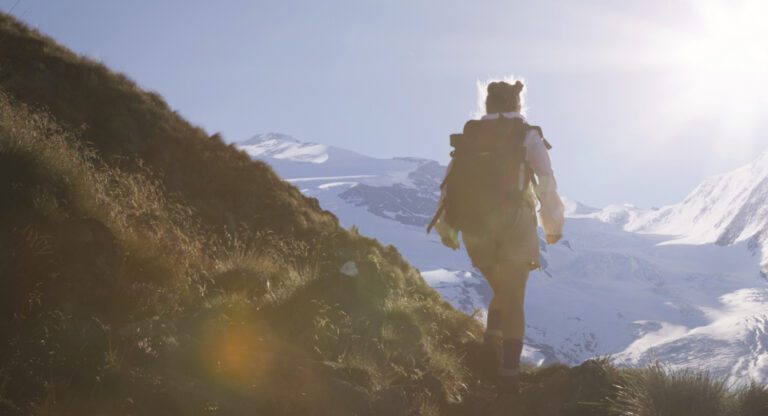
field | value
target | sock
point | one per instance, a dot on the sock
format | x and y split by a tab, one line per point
512	350
494	321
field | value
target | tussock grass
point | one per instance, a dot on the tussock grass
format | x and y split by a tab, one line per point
69	178
658	390
136	130
182	319
600	388
750	400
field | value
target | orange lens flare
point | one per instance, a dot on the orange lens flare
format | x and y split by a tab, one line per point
236	353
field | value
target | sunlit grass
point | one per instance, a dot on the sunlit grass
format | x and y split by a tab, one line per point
193	317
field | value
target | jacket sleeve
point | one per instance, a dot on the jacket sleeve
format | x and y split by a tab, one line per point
442	228
445	231
552	212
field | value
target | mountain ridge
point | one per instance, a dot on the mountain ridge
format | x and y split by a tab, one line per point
724	209
661	293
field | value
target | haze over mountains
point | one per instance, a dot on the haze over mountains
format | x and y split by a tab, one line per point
681	283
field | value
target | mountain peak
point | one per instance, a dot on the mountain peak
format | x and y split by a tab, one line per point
576	208
269	137
762	160
282	146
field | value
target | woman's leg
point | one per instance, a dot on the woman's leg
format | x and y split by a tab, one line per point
493	337
510	279
493	322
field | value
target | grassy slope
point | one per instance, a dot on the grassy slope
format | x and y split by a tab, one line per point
125	124
148	267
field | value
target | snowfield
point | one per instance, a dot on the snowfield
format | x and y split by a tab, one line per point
682	283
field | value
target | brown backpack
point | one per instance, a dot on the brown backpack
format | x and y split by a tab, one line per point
489	173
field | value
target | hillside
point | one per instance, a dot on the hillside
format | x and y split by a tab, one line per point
147	268
125	124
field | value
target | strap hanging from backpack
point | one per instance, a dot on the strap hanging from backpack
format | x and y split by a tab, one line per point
439	212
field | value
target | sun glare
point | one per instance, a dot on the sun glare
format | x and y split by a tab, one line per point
733	42
729	57
717	66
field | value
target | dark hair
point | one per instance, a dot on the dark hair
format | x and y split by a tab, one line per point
503	97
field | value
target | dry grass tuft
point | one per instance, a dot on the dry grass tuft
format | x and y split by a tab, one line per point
115	291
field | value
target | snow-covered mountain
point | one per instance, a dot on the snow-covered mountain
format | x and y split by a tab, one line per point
724	209
637	284
279	146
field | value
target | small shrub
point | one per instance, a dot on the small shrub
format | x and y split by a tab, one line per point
659	391
750	400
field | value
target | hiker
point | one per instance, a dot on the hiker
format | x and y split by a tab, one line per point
500	167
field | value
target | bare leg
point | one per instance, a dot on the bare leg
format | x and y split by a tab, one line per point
511	281
493	337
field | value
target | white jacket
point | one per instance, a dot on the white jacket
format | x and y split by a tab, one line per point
552	211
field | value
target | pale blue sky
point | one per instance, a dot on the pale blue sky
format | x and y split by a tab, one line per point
606	79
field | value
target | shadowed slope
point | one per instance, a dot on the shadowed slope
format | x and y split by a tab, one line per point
125	125
147	268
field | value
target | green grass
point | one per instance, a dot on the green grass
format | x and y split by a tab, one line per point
659	391
148	268
136	130
601	388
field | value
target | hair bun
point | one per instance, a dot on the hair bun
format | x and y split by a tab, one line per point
495	87
503	97
500	87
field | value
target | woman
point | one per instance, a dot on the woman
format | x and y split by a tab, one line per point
507	249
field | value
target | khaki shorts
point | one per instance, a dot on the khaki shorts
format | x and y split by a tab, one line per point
510	238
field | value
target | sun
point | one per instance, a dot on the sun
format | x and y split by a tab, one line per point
733	40
711	65
719	65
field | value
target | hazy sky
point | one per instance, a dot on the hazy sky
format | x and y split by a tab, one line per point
642	100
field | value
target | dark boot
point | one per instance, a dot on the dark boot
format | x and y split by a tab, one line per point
493	351
509	371
492	341
508	382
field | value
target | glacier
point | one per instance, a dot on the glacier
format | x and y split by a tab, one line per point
683	284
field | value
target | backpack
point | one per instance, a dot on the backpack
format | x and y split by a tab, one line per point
489	174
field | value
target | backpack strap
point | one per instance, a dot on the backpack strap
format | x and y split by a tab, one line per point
529	127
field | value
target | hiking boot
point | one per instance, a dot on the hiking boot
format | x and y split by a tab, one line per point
492	352
508	381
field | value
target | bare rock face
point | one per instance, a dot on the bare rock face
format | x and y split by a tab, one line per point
411	205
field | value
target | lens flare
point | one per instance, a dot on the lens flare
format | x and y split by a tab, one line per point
235	353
